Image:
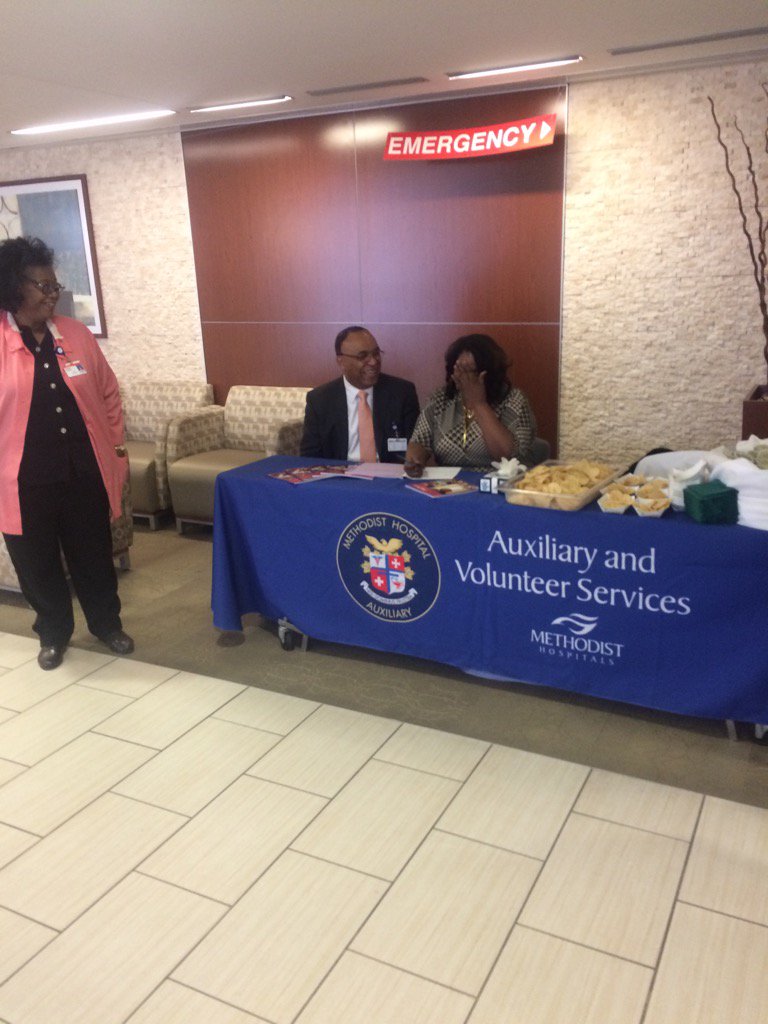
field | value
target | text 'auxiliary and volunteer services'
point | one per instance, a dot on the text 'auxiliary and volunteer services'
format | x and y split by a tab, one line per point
581	586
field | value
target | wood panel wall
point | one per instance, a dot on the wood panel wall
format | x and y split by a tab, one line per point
300	228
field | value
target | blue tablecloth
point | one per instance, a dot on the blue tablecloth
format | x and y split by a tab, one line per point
663	613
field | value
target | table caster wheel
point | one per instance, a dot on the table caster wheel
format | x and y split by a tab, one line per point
287	640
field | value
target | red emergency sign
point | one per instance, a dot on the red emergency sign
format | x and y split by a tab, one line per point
467	142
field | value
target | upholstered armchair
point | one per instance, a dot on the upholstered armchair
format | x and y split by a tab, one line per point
148	408
255	422
8	578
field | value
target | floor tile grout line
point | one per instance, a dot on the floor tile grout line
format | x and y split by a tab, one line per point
484	842
55	693
627	824
129	871
32	920
672	909
191	988
167	976
242	774
181	734
722	913
389	882
327	860
585	945
261	873
319	708
412	974
533	885
249	773
132	871
131	696
54	753
424	771
34	956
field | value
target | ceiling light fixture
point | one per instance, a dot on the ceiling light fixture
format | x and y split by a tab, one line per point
453	75
241	106
95	122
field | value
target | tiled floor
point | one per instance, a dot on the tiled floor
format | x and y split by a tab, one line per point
178	849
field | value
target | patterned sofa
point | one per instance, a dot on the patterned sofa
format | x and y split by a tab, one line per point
148	408
254	422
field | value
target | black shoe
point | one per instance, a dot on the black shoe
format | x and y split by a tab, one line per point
118	642
51	657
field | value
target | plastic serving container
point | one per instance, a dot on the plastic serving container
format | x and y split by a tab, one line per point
565	501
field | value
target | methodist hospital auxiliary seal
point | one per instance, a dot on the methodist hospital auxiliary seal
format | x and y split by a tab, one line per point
388	567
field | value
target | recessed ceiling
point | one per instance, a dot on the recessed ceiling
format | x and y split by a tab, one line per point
66	60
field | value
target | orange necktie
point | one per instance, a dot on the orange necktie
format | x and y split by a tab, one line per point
365	426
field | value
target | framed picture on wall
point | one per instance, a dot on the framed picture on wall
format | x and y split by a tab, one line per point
57	211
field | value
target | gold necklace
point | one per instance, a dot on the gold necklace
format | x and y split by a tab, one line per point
468	417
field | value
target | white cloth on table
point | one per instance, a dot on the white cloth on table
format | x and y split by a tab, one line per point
682	469
752	485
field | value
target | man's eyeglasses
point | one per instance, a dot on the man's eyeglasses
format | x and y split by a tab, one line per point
363	357
48	288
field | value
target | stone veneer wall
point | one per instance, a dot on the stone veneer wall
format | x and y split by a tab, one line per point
140	217
662	336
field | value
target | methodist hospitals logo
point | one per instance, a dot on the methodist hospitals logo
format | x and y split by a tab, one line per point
573	642
388	567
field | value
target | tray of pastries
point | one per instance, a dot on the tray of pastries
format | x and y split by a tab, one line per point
567	486
648	496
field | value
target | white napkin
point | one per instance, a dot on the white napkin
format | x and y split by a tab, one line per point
752	485
507	469
679	479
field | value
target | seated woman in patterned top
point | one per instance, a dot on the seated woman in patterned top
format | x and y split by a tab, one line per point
477	417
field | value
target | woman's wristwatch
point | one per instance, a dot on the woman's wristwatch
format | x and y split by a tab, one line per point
120	450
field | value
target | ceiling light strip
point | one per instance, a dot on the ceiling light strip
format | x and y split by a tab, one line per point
241	106
488	72
95	122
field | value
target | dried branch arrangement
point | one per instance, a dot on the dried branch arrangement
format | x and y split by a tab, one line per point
748	196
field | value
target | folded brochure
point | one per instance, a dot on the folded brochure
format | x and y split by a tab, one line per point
305	474
442	488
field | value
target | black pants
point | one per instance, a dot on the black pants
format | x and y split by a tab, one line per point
73	518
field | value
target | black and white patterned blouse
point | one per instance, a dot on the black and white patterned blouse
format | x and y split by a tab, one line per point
440	429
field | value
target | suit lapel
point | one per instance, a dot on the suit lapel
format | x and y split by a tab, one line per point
341	416
380	415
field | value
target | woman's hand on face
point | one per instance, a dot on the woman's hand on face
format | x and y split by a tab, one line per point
470	384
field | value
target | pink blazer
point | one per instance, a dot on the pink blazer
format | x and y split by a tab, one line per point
96	393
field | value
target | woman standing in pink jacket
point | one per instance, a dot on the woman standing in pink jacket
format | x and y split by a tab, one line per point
62	459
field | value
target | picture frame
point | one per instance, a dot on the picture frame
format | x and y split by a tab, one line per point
57	211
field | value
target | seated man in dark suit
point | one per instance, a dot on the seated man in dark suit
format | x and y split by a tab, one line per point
337	419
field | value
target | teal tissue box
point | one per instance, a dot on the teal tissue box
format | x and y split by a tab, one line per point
712	502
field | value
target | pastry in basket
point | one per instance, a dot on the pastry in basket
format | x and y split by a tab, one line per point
654	504
619	488
656	488
616	499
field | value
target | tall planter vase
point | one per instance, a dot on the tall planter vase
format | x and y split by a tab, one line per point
754	415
